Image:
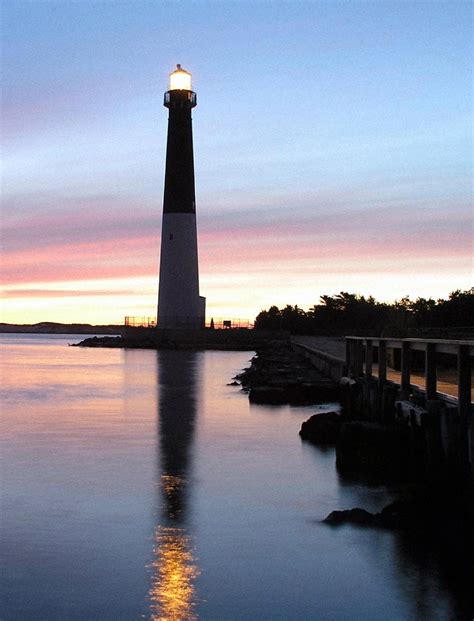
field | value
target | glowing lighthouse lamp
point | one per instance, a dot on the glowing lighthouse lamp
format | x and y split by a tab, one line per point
180	80
179	302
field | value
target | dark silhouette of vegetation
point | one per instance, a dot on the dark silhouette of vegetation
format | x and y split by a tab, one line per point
351	312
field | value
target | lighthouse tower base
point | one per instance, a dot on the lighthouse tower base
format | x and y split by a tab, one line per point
179	302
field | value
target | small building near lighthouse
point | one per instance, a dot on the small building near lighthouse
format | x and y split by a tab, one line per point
179	303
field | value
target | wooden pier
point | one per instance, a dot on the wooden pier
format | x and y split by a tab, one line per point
400	381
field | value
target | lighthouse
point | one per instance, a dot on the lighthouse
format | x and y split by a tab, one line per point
179	302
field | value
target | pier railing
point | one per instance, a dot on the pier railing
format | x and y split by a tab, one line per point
360	362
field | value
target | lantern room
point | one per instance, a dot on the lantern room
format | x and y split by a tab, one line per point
180	80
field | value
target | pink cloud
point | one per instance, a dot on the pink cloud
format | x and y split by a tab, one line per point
123	258
34	223
67	293
105	236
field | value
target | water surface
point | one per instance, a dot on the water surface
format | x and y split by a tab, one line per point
137	484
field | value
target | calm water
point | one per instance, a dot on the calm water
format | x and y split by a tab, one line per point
137	484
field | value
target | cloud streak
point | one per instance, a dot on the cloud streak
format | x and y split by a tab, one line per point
108	237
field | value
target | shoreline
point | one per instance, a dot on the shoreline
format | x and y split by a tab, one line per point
208	339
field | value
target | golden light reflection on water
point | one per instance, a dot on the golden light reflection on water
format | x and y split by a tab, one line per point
175	569
173	593
172	486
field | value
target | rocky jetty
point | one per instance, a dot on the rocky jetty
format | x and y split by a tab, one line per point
197	340
278	375
101	341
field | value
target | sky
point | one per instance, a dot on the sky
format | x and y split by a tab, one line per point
332	144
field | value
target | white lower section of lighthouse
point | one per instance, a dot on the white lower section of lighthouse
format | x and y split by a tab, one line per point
179	302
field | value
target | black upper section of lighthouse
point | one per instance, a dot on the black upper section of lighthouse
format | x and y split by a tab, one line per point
179	177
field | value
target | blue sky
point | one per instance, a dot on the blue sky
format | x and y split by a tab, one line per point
333	149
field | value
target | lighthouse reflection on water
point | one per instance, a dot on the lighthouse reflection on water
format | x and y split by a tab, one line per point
174	567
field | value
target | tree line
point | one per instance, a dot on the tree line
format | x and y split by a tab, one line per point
350	311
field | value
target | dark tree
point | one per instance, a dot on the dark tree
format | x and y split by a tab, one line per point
345	312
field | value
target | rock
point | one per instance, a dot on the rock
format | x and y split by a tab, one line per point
291	390
347	381
102	341
361	517
320	391
408	514
400	514
270	395
321	428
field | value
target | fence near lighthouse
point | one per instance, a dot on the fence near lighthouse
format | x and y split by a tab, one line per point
218	323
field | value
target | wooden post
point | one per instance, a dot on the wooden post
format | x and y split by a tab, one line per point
382	362
405	383
358	358
464	381
464	399
430	371
348	356
368	357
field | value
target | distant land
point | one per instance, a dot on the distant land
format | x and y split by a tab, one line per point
50	327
